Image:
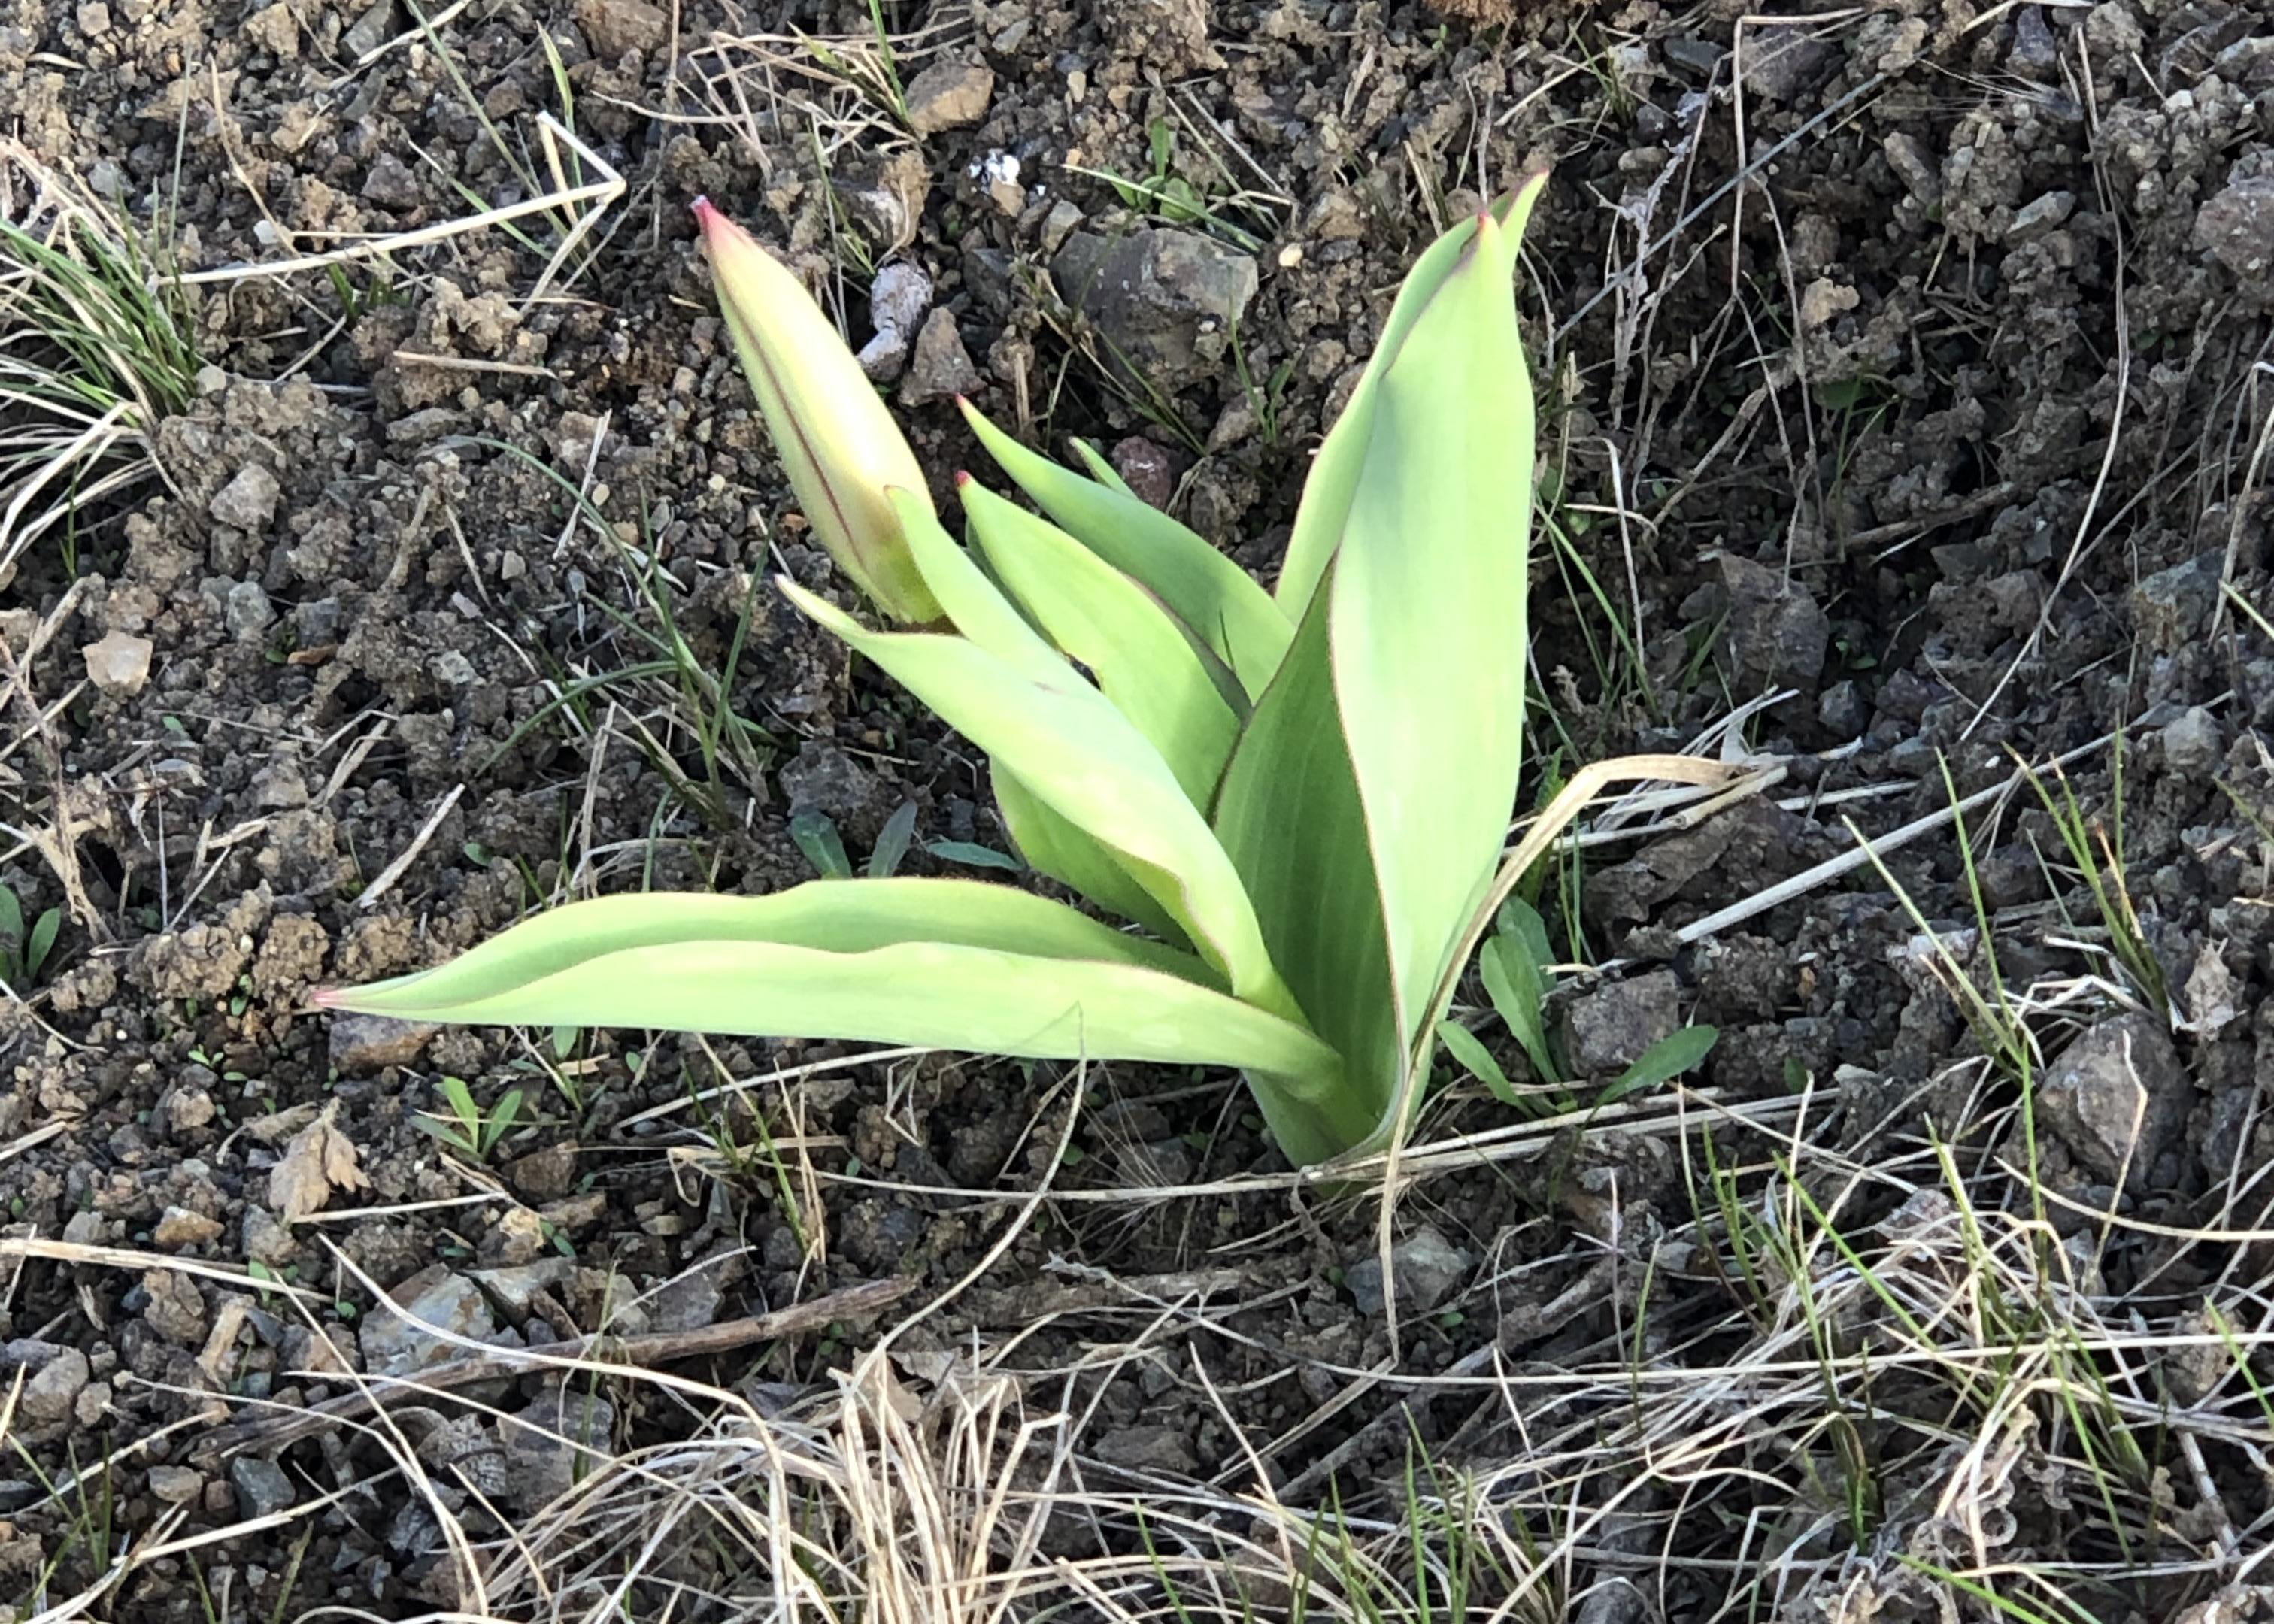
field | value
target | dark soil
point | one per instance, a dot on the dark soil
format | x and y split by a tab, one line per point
1925	350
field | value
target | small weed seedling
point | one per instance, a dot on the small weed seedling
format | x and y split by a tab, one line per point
1516	965
24	953
467	1129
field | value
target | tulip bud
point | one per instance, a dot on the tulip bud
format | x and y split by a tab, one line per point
837	441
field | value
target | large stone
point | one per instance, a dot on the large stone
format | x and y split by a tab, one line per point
395	1345
1608	1029
2117	1097
1428	1269
248	501
949	95
2237	226
616	27
1165	300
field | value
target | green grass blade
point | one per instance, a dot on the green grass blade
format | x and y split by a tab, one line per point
1066	742
1142	659
857	962
1209	593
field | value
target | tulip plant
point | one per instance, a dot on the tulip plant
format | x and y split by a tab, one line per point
1298	798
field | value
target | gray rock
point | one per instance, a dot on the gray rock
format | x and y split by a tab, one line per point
365	1043
390	184
1058	225
1607	1029
246	612
824	778
2117	1097
1776	635
1162	1449
1781	64
2192	744
118	664
558	1441
514	1289
175	1310
176	1485
2035	51
1906	156
2171	607
1148	470
1166	300
1843	711
59	1375
1428	1269
687	1302
248	501
898	300
393	1345
2237	227
2035	218
370	31
948	95
616	27
263	1488
941	366
1692	55
1167	35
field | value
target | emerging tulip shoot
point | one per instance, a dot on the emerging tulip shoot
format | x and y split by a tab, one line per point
1299	797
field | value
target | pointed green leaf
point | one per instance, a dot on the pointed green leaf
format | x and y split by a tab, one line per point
1426	601
1141	659
1465	1047
928	962
1067	744
1662	1062
972	603
1335	471
1512	966
1209	593
1289	815
1052	846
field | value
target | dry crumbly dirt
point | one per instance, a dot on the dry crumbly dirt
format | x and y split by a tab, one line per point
1909	362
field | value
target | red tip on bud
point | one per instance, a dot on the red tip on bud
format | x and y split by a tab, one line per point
963	478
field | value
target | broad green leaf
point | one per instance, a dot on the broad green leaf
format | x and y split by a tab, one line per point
41	942
821	915
1426	603
892	842
1213	596
816	835
12	917
1052	846
1512	966
974	855
1140	657
859	962
1334	474
1067	744
1465	1047
1289	815
1662	1062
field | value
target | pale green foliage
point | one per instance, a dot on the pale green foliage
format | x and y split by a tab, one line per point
1302	796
